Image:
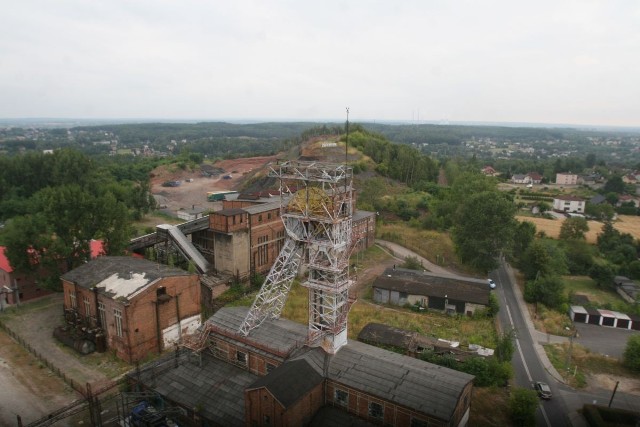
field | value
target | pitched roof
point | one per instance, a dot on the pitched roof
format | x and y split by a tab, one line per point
569	198
290	381
436	285
4	261
409	382
120	276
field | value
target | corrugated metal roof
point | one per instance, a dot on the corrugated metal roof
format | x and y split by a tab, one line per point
437	285
216	387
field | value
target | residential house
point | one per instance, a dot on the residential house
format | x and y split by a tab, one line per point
566	179
449	293
598	199
520	179
534	177
489	171
568	203
629	179
626	198
139	305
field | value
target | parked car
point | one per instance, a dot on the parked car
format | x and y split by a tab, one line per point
492	284
543	390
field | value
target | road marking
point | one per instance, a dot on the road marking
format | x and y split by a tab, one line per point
526	368
544	414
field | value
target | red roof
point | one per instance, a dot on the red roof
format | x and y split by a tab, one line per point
4	261
97	249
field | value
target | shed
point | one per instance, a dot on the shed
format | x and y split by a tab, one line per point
594	316
608	318
578	314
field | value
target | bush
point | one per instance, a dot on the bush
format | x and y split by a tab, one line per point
522	407
631	356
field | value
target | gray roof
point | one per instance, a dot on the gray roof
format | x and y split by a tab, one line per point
120	276
230	212
359	215
277	337
217	387
409	382
436	285
290	381
386	335
597	199
263	207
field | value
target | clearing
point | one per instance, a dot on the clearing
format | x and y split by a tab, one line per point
551	227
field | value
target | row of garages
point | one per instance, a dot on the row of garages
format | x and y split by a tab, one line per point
614	319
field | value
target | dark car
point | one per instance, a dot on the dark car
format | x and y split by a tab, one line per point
543	390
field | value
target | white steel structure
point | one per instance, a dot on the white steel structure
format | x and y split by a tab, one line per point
318	224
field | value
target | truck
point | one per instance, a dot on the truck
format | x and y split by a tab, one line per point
216	196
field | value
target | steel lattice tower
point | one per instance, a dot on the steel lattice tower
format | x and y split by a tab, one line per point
318	224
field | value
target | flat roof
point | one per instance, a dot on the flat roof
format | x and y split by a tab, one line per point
578	309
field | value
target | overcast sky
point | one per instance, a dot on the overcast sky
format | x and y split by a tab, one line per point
571	62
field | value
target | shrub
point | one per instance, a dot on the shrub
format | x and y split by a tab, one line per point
631	356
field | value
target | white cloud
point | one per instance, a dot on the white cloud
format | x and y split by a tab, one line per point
545	61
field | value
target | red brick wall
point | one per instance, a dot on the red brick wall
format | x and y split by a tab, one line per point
255	363
358	404
262	409
28	286
143	319
266	225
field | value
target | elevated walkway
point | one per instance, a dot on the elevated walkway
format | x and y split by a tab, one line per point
184	246
153	238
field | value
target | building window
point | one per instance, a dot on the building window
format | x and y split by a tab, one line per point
263	250
87	306
117	314
376	410
269	215
259	218
270	367
103	316
418	423
241	358
280	240
72	297
341	397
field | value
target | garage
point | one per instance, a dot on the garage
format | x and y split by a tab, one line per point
578	314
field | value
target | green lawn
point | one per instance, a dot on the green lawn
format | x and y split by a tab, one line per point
600	297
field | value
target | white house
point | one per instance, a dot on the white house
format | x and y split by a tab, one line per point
568	204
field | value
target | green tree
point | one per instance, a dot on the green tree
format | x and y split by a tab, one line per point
548	290
615	184
574	228
602	211
412	263
543	257
505	347
484	227
602	274
631	356
523	404
525	233
579	255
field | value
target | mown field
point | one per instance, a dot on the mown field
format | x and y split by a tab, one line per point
551	227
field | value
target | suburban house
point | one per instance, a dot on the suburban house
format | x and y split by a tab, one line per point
568	203
520	179
272	377
139	305
629	179
449	293
626	198
566	179
530	178
489	171
17	287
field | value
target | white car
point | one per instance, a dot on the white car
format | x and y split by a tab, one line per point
492	284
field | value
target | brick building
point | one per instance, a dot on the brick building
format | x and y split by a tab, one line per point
139	305
246	236
271	377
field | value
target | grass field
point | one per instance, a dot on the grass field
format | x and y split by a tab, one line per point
600	296
551	227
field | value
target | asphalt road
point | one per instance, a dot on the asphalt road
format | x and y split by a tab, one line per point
526	364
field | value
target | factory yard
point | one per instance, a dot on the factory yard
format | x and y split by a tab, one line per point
194	185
